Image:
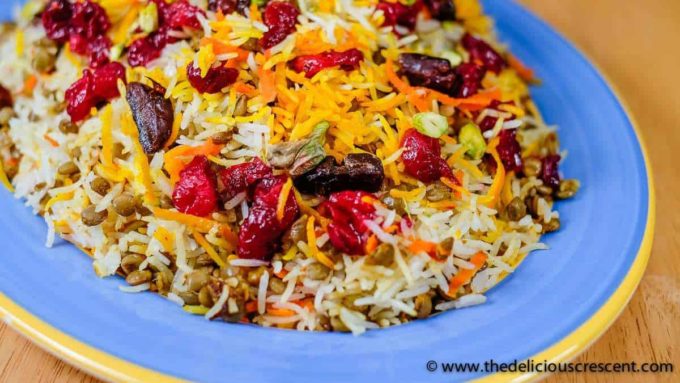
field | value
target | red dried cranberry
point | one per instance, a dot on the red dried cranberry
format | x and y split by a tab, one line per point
469	79
5	98
348	210
182	14
214	81
229	6
89	20
239	178
280	17
509	150
261	231
146	49
489	122
56	19
195	192
311	64
550	170
93	88
430	72
481	51
397	13
98	51
443	10
422	157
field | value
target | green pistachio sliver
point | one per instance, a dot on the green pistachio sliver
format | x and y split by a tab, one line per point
470	136
430	124
148	18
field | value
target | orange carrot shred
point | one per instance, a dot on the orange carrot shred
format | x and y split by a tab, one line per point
465	275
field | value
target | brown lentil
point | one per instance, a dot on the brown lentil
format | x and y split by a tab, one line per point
131	262
277	286
100	185
197	279
221	138
67	127
124	205
44	55
568	188
438	192
254	276
317	271
189	298
241	107
423	305
204	297
516	209
90	217
138	277
532	167
552	225
382	256
68	168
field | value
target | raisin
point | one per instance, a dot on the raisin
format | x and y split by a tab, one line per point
280	17
422	157
348	210
214	81
153	114
430	72
550	171
359	171
311	64
195	192
481	51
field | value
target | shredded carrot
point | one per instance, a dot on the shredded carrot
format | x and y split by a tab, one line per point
420	246
283	199
251	306
371	244
311	241
219	47
280	312
51	140
281	274
244	88
492	197
202	225
267	83
229	235
455	187
165	237
29	85
175	158
524	72
465	275
209	249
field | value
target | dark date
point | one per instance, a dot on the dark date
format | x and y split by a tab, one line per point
358	171
427	71
153	114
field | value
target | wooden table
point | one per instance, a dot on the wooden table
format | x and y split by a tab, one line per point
637	44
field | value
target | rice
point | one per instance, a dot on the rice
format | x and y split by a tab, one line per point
442	243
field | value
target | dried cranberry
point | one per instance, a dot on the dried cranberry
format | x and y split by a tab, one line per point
422	157
93	88
5	98
56	19
509	150
430	72
98	51
146	49
240	178
182	14
280	17
443	10
488	122
261	231
195	192
550	170
312	64
397	13
348	210
89	20
481	51
229	6
469	79
214	81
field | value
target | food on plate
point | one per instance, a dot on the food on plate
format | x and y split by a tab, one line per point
330	165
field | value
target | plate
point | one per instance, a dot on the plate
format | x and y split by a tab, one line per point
551	308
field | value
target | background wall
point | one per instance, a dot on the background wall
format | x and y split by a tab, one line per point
637	43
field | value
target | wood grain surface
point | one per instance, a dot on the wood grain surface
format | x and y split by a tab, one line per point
637	43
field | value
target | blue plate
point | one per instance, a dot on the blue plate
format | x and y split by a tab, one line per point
551	308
